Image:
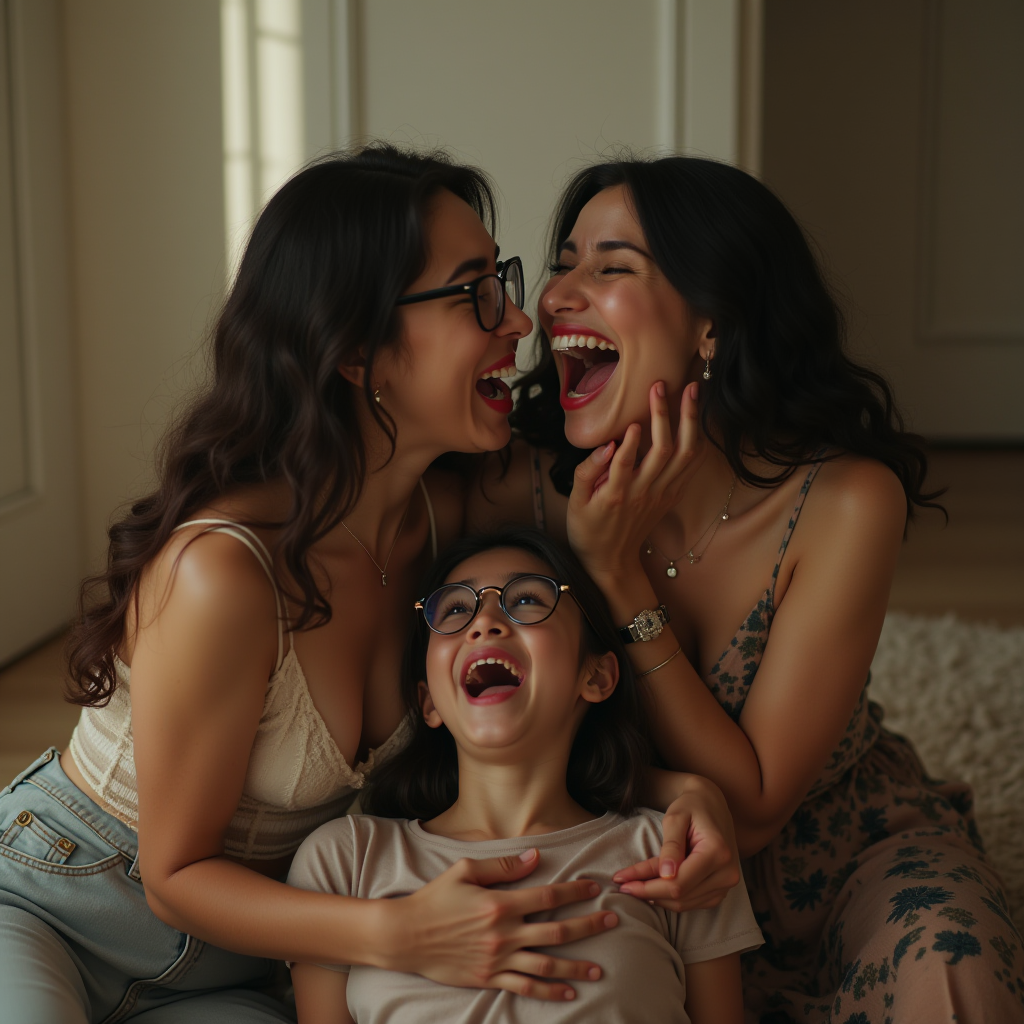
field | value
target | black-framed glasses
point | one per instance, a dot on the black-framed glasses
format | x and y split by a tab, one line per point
488	293
526	600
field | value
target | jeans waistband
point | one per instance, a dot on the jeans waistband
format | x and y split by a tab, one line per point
46	773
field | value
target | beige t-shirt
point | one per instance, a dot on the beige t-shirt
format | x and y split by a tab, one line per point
642	959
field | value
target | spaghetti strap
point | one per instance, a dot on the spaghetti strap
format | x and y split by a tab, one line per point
259	549
794	516
433	521
539	519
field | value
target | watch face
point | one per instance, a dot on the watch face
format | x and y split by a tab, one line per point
648	623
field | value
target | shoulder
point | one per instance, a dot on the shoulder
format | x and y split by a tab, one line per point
858	495
214	573
204	584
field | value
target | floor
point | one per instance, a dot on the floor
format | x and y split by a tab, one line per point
973	567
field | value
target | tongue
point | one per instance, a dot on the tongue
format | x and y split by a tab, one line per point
485	677
490	388
595	377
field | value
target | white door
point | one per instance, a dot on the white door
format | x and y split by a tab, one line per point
40	550
894	132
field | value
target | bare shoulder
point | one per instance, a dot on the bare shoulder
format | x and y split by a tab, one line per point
503	489
209	584
853	488
856	504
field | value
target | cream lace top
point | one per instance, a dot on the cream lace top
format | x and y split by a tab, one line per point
297	778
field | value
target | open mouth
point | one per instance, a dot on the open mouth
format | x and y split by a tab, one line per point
489	680
588	363
491	386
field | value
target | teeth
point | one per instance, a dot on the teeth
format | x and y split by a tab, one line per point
563	342
494	661
502	371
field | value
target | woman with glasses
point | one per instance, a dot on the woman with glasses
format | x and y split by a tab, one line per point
528	742
236	685
753	570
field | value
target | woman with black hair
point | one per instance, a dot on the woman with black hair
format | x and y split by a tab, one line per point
235	692
528	739
684	295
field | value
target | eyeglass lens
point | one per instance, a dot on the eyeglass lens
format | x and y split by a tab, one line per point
526	600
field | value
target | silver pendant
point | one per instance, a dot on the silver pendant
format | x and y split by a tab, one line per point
383	579
671	572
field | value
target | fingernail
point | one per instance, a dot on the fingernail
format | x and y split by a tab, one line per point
659	389
616	877
569	994
611	920
594	889
605	453
694	390
527	855
627	888
667	869
594	973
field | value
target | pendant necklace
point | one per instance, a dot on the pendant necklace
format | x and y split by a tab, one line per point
382	569
671	572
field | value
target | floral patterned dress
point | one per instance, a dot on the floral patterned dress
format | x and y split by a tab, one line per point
876	901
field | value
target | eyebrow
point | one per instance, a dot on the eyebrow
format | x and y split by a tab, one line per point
610	246
507	578
476	263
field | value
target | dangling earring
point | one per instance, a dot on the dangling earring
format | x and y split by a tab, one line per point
376	395
707	368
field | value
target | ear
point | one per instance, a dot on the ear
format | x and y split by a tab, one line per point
430	713
707	332
354	373
602	680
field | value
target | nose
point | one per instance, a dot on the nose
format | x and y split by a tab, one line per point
515	324
563	294
490	619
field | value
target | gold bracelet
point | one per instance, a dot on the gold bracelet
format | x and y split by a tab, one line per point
648	671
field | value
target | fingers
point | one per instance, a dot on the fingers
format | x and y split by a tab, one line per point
543	966
557	933
643	871
497	869
689	436
591	472
532	988
548	897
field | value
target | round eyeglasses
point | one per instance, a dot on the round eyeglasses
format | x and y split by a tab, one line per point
526	600
488	293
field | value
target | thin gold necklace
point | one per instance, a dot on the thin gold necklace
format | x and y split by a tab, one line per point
713	526
383	570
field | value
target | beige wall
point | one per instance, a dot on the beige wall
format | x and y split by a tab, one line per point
144	127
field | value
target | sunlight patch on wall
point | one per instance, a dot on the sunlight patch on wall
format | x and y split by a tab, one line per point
263	102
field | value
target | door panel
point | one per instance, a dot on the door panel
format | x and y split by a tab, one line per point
40	551
893	132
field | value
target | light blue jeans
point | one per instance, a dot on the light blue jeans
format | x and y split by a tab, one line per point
78	942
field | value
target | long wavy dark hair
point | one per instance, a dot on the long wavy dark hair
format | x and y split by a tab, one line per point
611	750
316	288
783	387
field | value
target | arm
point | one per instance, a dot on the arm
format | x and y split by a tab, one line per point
714	991
202	656
320	995
831	618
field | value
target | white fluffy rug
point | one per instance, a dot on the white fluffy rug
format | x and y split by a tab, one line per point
956	689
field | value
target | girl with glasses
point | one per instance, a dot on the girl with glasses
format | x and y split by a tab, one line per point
528	742
234	691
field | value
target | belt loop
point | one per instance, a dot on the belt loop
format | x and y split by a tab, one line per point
133	871
44	758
